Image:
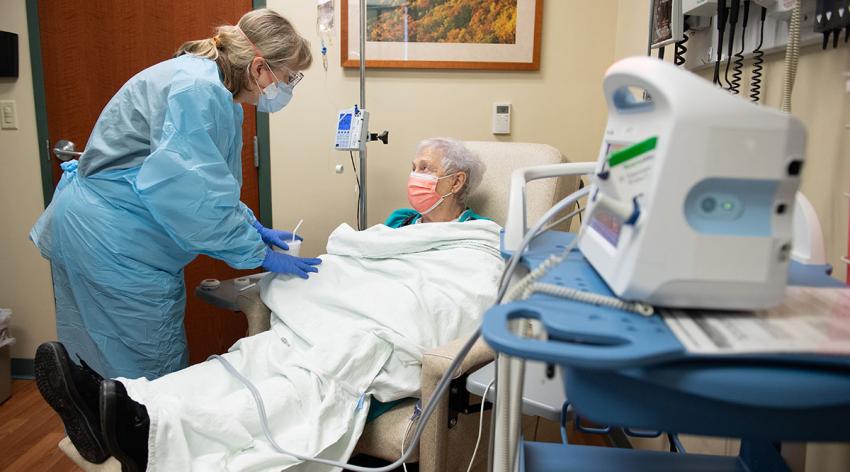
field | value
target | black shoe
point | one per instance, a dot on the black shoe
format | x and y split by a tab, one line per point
125	425
68	389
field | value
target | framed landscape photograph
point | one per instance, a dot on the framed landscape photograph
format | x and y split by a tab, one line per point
444	34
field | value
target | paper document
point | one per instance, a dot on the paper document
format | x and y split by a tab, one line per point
815	320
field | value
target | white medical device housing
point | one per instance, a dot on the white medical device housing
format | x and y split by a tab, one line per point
351	129
701	216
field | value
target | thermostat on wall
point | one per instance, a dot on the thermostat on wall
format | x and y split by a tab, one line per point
501	118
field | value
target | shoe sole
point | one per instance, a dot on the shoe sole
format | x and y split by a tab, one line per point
108	413
53	378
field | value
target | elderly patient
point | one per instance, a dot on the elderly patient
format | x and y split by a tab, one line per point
355	331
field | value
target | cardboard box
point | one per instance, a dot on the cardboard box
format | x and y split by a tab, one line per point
5	373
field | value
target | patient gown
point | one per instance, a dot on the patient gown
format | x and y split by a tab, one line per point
158	184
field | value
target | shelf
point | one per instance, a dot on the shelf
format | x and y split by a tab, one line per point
552	457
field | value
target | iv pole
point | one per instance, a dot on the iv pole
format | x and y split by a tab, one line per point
361	198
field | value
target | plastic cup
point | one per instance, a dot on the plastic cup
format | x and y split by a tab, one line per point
294	248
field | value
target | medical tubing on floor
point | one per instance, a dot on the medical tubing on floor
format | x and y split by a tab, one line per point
758	62
442	386
792	57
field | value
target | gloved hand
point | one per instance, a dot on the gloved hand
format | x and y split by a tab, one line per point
275	237
285	264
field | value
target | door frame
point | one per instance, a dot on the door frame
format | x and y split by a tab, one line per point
45	158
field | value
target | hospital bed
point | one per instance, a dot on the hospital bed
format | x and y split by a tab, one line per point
450	436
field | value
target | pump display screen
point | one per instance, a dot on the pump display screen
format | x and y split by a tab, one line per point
344	122
607	225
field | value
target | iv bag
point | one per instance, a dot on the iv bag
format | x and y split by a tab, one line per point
325	19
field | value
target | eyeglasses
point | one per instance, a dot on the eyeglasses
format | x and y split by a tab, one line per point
294	78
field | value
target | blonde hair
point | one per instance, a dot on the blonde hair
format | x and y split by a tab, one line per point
273	35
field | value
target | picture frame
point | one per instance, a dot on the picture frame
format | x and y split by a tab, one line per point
505	36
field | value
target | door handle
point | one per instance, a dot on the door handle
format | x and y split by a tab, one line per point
65	150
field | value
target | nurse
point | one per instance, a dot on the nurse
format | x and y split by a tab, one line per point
158	184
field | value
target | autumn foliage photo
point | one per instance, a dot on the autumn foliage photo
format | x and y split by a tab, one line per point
442	21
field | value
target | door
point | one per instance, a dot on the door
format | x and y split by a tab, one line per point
89	49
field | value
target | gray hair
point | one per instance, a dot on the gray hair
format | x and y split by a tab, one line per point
457	158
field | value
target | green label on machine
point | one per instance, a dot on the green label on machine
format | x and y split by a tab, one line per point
631	152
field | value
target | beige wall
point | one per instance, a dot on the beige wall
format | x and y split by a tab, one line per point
561	105
25	285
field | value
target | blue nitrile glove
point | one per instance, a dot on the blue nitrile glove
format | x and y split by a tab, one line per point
275	237
285	264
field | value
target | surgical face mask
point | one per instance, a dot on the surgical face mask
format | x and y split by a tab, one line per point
275	96
422	192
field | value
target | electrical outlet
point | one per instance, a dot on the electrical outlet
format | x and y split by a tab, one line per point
8	115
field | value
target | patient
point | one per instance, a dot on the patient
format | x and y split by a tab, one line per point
354	332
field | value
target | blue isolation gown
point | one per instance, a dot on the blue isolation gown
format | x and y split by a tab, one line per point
157	185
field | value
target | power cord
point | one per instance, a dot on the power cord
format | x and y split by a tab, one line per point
480	424
734	10
359	189
722	12
406	430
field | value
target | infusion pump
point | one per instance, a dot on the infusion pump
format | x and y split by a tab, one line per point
352	129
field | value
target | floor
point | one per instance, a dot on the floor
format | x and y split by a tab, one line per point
30	431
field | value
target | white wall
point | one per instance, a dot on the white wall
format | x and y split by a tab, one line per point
25	284
561	104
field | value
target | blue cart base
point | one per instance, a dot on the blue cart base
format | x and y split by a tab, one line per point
552	457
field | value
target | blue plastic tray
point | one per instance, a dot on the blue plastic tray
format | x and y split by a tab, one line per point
629	370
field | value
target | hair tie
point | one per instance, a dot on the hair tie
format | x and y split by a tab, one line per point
217	41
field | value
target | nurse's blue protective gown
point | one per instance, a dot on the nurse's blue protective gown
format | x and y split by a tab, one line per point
157	185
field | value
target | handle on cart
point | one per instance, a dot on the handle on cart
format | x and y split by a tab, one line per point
612	352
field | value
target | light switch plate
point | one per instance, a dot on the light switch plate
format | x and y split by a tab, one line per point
8	115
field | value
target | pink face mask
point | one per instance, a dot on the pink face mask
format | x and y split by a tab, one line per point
422	192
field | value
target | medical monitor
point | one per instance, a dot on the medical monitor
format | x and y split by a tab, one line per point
666	23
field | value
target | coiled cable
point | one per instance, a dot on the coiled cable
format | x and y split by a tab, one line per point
681	49
734	10
758	62
737	69
792	57
592	298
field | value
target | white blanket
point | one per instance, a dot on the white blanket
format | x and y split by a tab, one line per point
356	329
